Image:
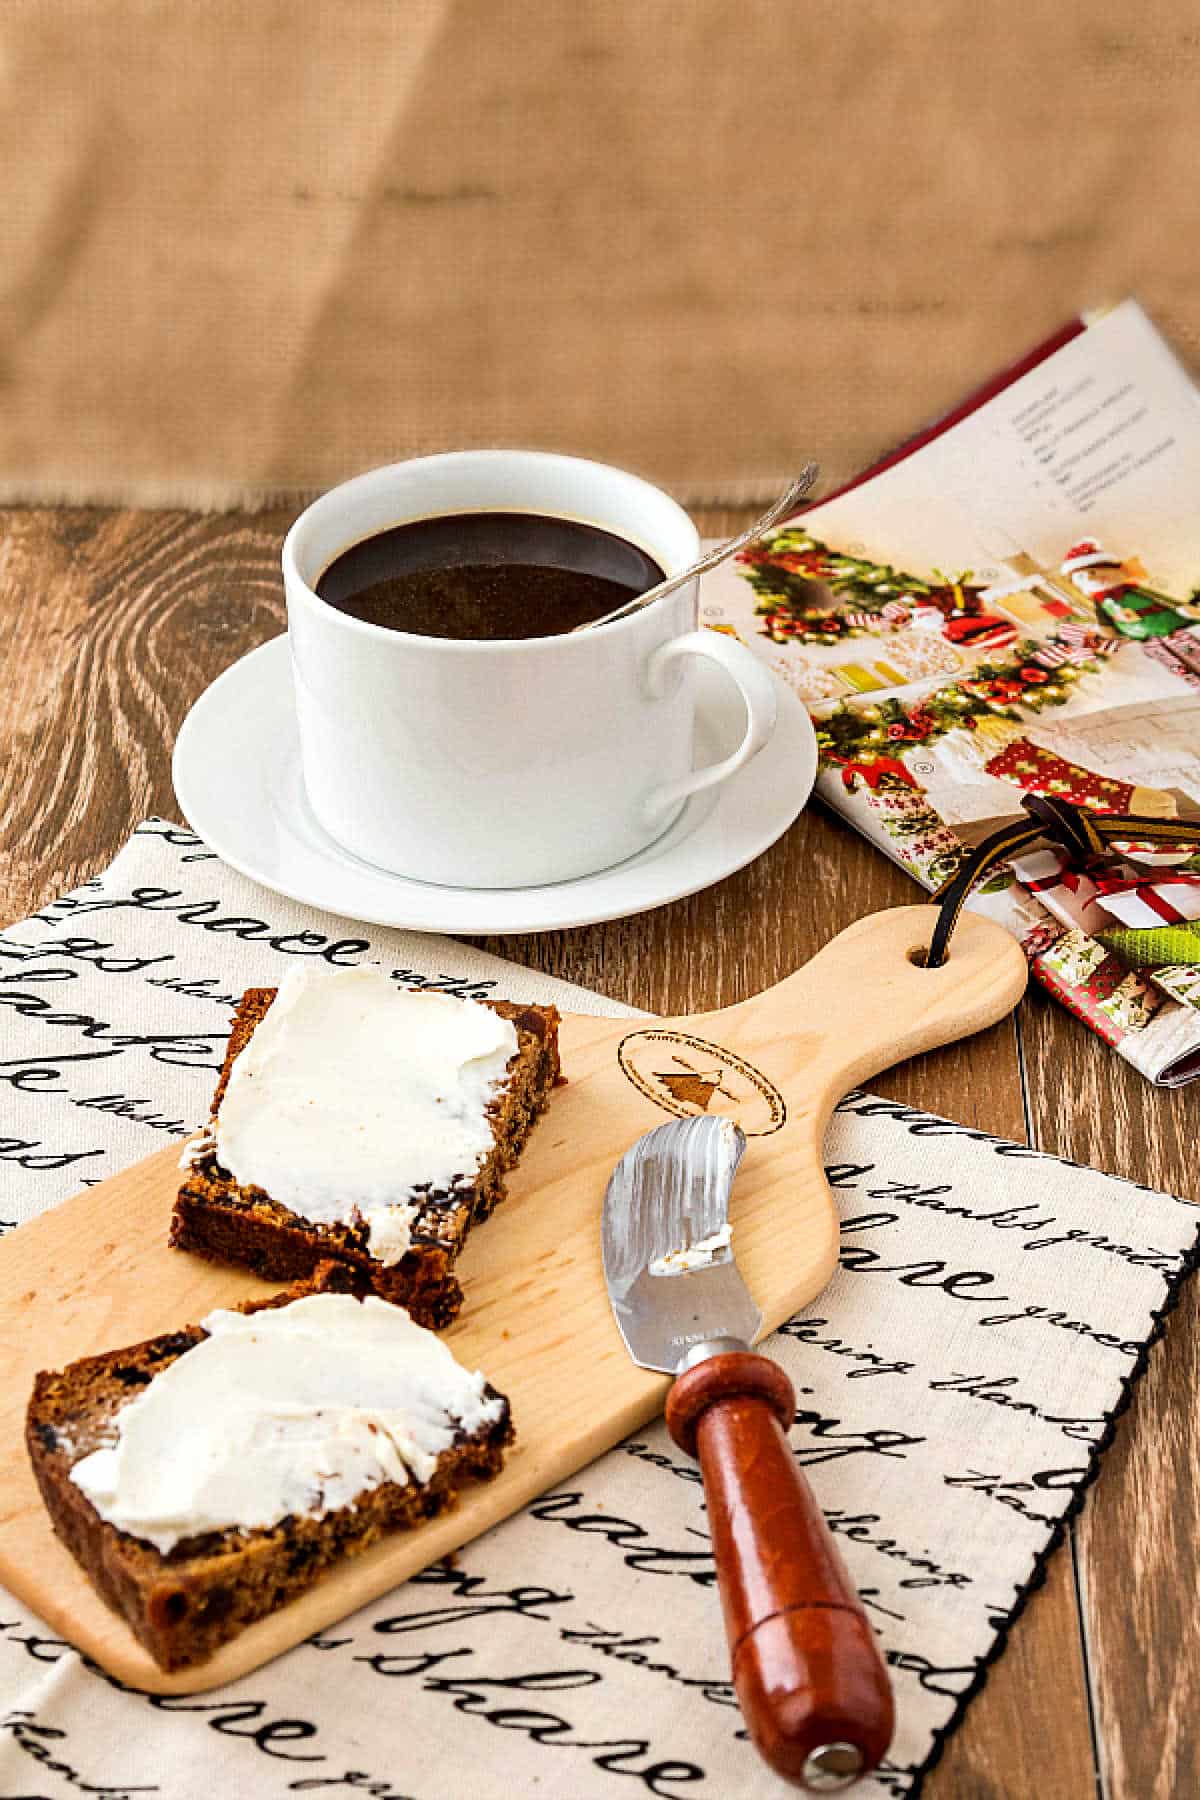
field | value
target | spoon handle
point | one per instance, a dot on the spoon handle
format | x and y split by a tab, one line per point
789	498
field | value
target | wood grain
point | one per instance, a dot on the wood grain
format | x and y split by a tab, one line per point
96	1272
1138	1544
117	620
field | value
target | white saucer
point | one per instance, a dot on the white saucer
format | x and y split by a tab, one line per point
237	776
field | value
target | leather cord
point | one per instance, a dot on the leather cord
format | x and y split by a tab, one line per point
1083	834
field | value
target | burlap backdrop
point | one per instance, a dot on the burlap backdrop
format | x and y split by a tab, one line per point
253	248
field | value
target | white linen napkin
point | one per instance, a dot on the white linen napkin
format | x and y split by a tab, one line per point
956	1385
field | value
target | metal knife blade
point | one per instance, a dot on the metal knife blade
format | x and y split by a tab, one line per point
665	1234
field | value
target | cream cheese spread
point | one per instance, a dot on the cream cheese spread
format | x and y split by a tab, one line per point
195	1151
701	1255
298	1409
353	1095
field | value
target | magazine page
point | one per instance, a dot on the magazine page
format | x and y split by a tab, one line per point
1013	607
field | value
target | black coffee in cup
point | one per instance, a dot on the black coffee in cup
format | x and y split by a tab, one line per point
487	575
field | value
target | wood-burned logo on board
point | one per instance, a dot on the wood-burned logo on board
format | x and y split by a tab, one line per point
687	1075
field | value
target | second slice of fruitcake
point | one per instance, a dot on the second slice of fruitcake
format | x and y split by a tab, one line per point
362	1121
205	1477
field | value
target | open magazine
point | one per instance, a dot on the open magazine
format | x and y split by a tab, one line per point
1009	605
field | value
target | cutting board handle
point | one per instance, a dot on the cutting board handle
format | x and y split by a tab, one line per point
866	1001
808	1674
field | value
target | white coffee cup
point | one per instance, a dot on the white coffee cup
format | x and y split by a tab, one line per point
504	762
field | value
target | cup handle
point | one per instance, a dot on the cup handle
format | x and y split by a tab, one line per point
757	689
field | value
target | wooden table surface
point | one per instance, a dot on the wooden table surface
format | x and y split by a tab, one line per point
115	621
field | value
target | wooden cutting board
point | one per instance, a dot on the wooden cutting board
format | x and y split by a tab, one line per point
95	1273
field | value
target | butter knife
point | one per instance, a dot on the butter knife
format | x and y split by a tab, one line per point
808	1674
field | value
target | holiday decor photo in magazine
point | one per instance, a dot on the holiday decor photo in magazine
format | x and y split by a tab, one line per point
1011	606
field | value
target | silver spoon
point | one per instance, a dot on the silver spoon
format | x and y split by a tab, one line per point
786	500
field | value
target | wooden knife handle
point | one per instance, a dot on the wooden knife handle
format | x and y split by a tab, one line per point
806	1667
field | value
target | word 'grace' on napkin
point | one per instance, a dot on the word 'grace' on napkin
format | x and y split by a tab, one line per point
955	1386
